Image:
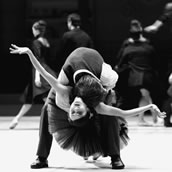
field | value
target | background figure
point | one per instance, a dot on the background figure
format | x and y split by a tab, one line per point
73	38
37	89
167	105
163	19
137	65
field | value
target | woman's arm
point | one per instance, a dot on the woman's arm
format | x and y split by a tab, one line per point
58	87
113	111
154	27
37	79
170	79
165	17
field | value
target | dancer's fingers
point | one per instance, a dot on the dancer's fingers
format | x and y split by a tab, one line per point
14	46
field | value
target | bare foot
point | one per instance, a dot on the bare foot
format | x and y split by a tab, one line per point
13	124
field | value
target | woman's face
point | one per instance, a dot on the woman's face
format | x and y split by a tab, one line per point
35	32
78	109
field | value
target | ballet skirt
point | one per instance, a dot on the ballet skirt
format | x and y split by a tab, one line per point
84	141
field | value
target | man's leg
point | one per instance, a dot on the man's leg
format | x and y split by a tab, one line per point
45	138
111	140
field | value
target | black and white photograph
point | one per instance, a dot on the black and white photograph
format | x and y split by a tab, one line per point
86	85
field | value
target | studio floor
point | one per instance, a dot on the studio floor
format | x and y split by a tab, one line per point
149	149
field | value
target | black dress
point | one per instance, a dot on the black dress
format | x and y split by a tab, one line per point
32	93
137	64
140	58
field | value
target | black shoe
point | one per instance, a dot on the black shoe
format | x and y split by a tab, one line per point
117	163
168	124
85	158
96	156
39	164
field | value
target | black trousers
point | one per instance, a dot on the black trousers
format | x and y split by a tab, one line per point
45	138
109	132
110	135
167	107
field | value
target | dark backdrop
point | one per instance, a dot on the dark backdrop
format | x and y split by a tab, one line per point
107	21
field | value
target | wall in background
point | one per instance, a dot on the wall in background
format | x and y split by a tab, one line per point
107	21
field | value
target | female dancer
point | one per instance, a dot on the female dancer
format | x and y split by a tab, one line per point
137	56
83	128
37	88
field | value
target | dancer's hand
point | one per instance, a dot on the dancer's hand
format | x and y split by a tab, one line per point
158	112
14	49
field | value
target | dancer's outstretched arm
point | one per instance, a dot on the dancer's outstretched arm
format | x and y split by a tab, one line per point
154	27
165	16
113	111
50	78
